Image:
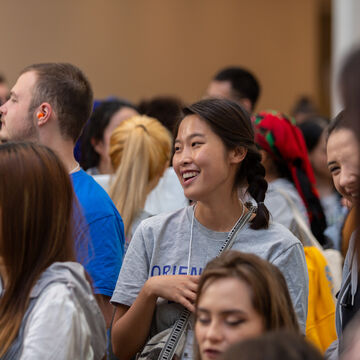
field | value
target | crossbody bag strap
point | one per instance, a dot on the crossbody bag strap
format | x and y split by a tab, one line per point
180	325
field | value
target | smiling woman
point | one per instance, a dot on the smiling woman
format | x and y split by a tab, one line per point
343	158
215	157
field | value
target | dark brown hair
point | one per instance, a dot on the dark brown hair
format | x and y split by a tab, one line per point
270	295
232	124
36	200
67	90
273	346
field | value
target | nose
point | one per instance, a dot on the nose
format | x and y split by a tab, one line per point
214	333
2	109
346	179
184	157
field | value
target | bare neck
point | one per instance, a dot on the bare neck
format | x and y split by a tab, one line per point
219	216
64	149
104	166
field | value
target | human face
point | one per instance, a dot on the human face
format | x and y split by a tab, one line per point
16	121
224	316
103	146
343	162
219	89
205	168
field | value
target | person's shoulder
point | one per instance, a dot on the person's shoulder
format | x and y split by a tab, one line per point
166	220
276	234
92	197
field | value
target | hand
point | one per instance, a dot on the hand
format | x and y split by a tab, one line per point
347	203
179	288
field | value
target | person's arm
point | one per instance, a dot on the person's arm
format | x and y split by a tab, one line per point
132	324
106	308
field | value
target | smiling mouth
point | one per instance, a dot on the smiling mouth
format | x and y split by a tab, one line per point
189	176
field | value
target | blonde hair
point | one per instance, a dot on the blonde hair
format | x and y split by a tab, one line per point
140	149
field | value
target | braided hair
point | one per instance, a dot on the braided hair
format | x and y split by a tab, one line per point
232	124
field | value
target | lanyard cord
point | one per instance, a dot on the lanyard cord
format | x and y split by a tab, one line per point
192	228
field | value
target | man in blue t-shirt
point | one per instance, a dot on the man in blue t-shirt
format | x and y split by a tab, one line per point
50	104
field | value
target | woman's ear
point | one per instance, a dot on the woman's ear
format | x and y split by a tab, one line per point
98	145
237	155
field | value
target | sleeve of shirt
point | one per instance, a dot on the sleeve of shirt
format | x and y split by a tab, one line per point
56	328
106	251
134	271
292	264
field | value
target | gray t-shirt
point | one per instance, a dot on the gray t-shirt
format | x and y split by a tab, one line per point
160	246
279	208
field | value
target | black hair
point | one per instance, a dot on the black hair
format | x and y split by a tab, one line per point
340	121
243	83
312	132
166	109
95	127
231	123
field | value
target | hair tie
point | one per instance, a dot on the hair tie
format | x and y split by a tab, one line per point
260	202
143	127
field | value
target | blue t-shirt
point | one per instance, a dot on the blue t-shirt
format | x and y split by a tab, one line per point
102	233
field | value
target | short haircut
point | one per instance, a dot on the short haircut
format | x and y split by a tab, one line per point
166	109
68	91
243	83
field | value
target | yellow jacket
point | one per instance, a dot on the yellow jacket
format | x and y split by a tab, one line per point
320	323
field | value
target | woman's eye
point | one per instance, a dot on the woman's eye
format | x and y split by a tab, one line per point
235	322
195	143
203	320
334	169
176	148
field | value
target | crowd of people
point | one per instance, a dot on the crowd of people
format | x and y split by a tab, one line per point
165	230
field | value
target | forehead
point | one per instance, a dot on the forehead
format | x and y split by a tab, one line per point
219	89
226	293
193	124
341	142
25	83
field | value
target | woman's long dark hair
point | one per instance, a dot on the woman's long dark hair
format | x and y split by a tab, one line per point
36	202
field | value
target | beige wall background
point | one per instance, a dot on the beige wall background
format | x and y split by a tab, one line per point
141	48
